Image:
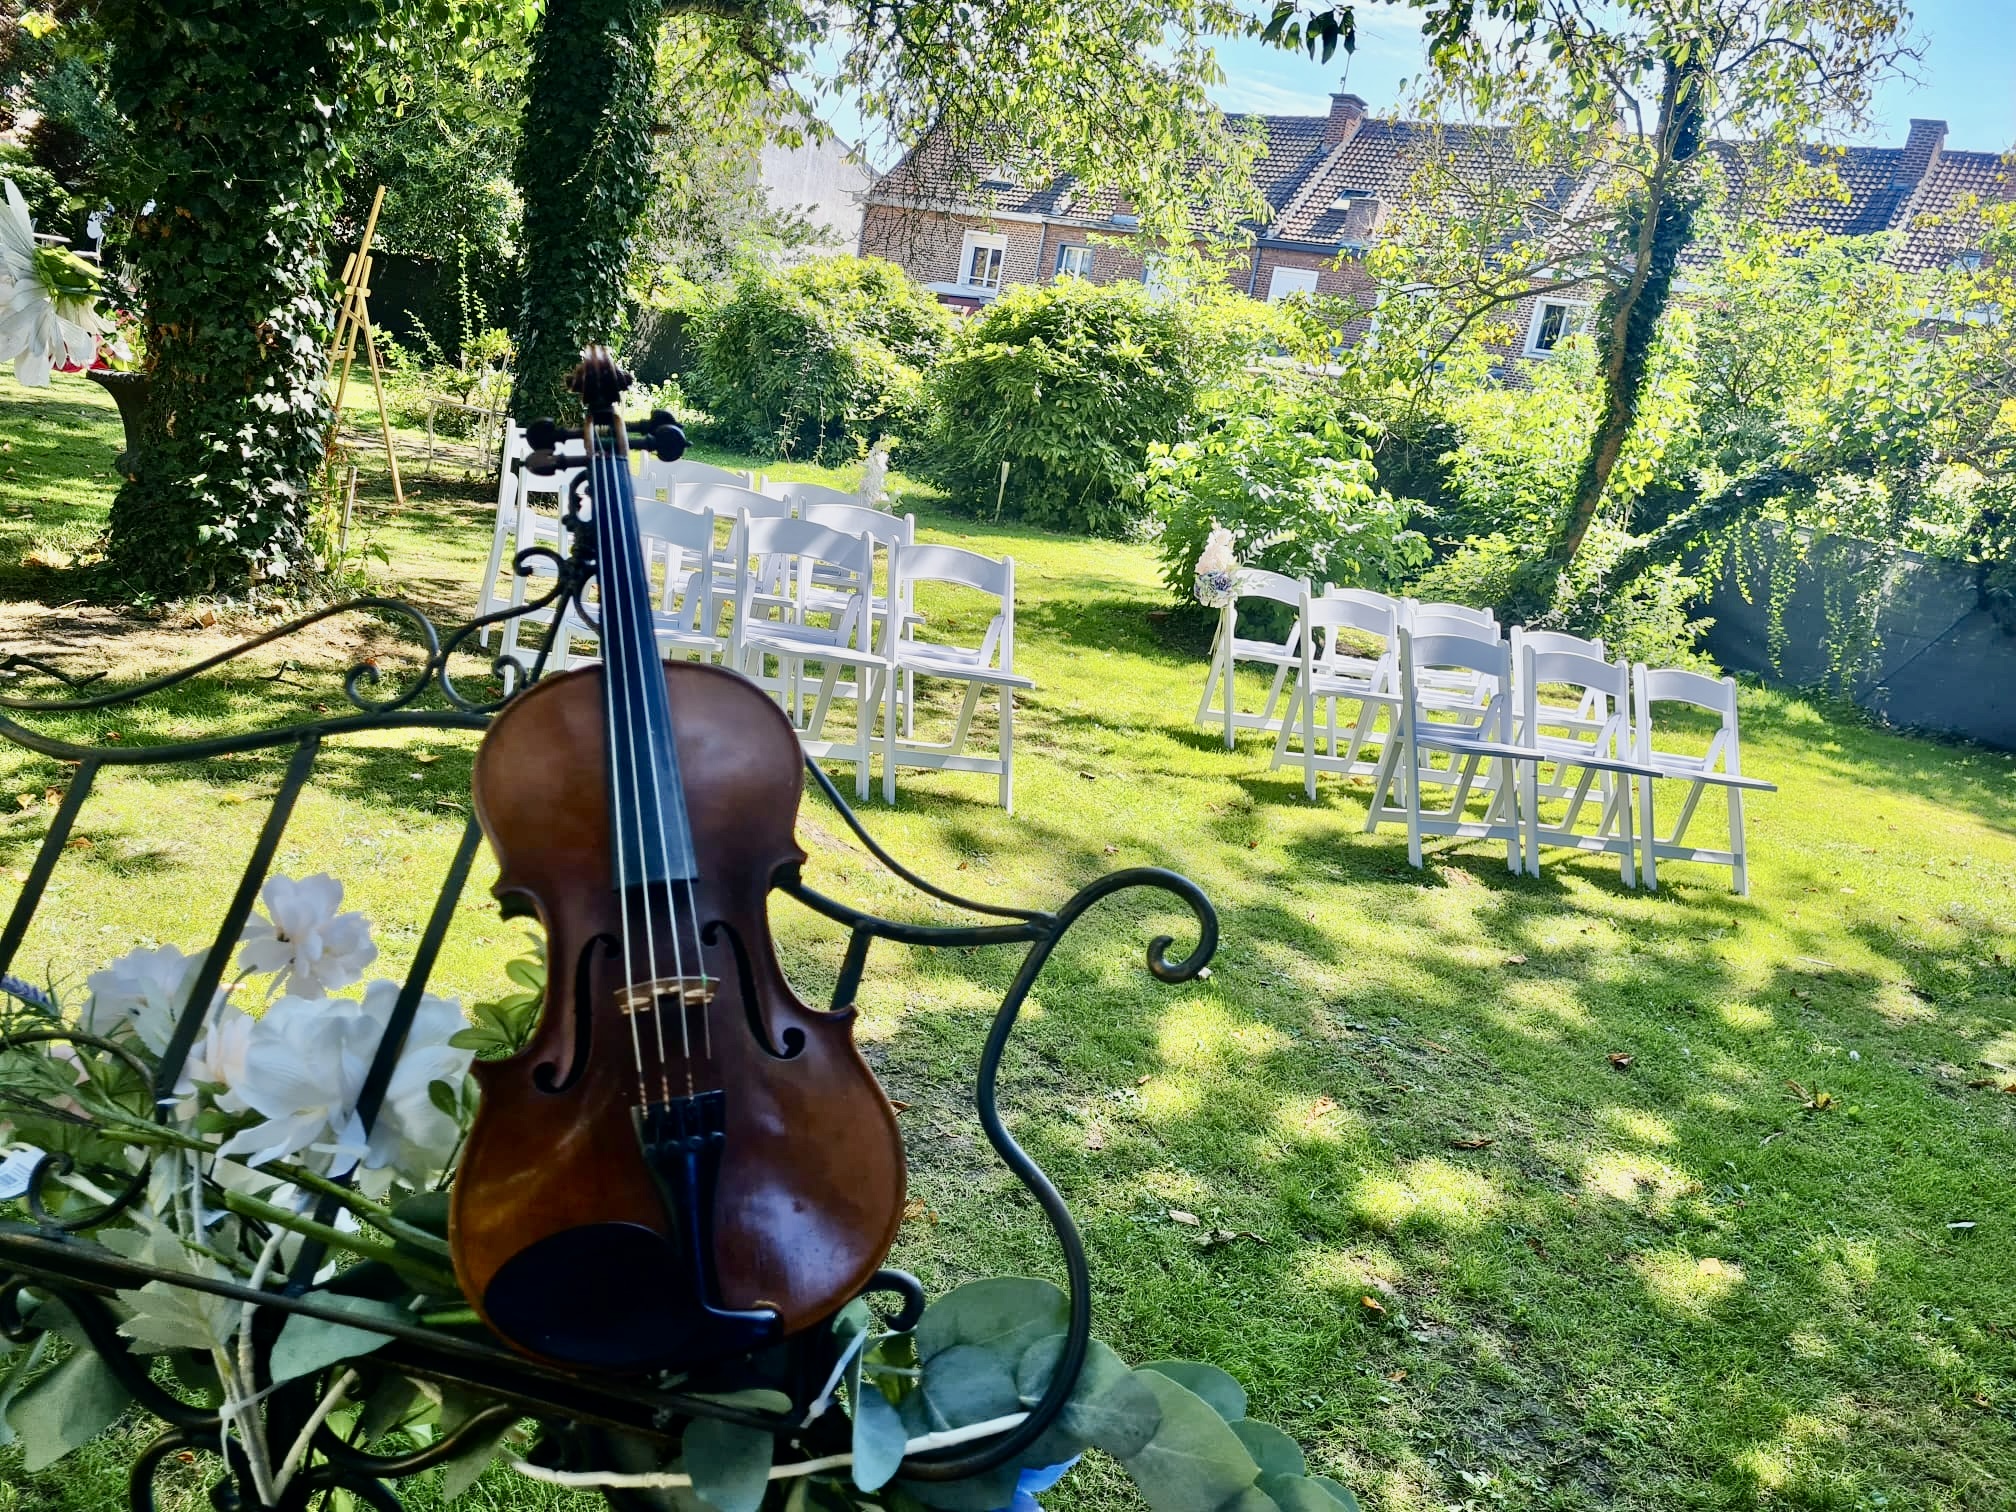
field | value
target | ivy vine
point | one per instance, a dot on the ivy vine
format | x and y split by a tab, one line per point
233	108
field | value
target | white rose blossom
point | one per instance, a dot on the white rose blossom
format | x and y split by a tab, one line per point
144	990
303	1069
310	947
1217	553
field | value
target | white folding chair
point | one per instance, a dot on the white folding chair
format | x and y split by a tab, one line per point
523	520
662	480
678	548
1586	716
887	531
1340	671
1599	757
1720	766
802	495
990	664
1470	737
793	629
1229	648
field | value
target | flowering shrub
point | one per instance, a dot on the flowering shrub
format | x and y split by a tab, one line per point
1291	481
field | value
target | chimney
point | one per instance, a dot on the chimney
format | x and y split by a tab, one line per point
1346	111
1921	151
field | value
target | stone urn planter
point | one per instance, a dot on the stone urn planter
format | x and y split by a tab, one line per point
129	391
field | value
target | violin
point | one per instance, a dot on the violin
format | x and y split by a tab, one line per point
685	1161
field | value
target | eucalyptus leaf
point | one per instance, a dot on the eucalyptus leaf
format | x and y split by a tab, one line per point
987	1492
730	1464
388	1404
1194	1463
755	1398
1006	1314
967	1384
466	1468
22	1365
1108	1408
1341	1495
69	1406
1226	1396
307	1345
1272	1450
879	1439
1299	1493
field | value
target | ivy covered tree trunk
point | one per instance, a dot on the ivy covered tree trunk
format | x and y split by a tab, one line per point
233	107
583	163
1628	320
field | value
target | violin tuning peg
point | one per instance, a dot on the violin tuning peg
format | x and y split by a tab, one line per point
660	417
542	435
664	439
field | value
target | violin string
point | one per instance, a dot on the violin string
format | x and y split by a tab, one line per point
615	790
645	655
620	537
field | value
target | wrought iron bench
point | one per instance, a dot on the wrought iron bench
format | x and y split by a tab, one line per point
585	1421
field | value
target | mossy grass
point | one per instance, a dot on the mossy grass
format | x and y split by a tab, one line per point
1472	1263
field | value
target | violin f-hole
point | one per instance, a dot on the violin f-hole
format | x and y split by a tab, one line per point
794	1039
548	1077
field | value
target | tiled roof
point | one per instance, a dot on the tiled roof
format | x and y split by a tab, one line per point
1377	165
1338	196
1935	230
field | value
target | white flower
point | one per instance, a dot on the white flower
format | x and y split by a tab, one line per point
411	1135
145	989
1217	553
218	1058
311	946
47	314
303	1069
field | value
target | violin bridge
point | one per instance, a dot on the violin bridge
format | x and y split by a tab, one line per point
648	997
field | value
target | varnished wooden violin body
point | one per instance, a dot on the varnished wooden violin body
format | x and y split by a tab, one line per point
686	1161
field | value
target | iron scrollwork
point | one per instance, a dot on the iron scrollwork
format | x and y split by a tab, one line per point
49	1256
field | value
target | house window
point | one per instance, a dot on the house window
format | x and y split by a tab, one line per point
980	260
1283	282
1074	260
1554	321
1155	277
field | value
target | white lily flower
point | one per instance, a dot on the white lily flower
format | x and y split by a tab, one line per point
311	948
144	990
303	1070
48	314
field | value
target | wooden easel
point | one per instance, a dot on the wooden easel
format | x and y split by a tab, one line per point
353	320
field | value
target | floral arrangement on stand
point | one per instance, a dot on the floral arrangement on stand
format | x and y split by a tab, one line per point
223	1180
1217	572
49	315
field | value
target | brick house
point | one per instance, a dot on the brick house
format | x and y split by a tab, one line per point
1330	184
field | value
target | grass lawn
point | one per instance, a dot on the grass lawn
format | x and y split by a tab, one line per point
1478	1265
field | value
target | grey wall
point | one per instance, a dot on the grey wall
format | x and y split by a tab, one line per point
1944	663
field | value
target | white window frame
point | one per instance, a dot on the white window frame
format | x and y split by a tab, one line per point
1577	311
1064	250
1297	281
1155	276
975	241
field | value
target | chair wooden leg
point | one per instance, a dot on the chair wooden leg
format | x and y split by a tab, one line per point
1008	749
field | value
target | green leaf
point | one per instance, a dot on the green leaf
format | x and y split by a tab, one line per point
1341	1495
1006	1314
162	1315
756	1398
466	1468
1297	1493
1108	1408
730	1464
69	1406
1194	1463
307	1344
1226	1396
879	1439
1272	1450
967	1384
24	1362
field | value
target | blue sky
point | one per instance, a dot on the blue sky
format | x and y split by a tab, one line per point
1967	78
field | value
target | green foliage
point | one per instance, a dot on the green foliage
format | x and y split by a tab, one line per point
1070	383
583	155
500	1028
1280	463
239	165
819	361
